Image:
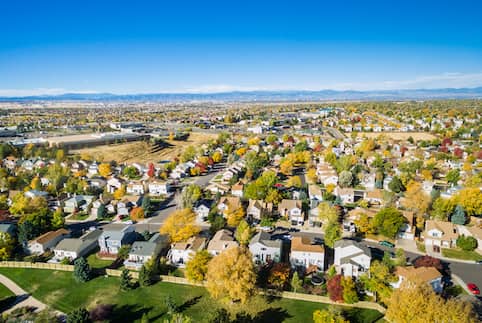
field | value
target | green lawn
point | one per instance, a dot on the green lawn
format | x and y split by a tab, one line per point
95	262
61	291
6	298
460	254
5	292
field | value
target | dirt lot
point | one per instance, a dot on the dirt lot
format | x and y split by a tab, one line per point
399	135
140	151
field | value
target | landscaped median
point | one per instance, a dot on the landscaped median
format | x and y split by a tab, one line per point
56	287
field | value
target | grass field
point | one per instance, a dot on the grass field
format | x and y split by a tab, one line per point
61	291
4	292
460	254
139	152
399	135
97	263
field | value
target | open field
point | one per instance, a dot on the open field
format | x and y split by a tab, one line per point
399	135
140	151
60	290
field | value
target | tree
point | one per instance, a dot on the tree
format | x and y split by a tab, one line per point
279	275
364	225
36	184
330	315
350	295
458	217
145	276
294	181
178	318
273	196
104	170
58	220
396	185
171	305
231	275
180	225
151	172
243	233
234	217
416	302
466	243
345	179
378	280
427	261
442	208
217	157
388	221
416	199
146	204
296	282
125	280
453	176
120	192
327	213
311	175
332	234
79	315
190	195
137	214
82	270
7	244
401	258
471	200
286	167
197	266
131	172
188	154
335	289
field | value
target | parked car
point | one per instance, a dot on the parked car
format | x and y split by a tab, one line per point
386	244
473	288
478	262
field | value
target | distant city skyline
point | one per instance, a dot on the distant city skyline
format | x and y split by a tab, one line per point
120	47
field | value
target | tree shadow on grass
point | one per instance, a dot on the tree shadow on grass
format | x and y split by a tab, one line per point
187	304
128	313
270	315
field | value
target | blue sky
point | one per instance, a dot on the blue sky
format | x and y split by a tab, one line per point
209	46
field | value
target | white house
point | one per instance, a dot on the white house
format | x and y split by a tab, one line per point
258	208
305	254
202	209
46	241
158	188
439	234
73	248
181	252
135	188
264	249
347	195
351	258
113	184
292	209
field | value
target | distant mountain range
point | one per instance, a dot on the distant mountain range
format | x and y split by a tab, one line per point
265	96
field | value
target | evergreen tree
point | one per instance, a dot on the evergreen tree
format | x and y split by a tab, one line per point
82	270
125	280
458	217
79	315
296	282
145	276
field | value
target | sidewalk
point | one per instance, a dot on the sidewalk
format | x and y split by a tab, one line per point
23	298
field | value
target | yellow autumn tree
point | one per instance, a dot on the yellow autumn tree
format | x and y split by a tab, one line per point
286	167
36	184
311	175
197	266
180	225
416	200
235	216
416	302
470	199
104	169
231	276
217	157
120	192
137	214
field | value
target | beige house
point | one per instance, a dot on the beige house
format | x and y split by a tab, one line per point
429	275
292	209
305	254
222	240
439	234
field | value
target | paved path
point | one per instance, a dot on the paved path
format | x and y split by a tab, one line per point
23	298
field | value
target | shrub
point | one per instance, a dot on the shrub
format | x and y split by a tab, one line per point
466	243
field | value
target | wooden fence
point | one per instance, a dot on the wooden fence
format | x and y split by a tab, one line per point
184	281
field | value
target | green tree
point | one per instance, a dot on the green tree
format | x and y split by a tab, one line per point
296	282
79	315
58	220
330	315
350	295
332	234
458	217
442	208
190	195
345	179
243	233
453	176
466	243
82	270
145	276
396	185
388	221
125	280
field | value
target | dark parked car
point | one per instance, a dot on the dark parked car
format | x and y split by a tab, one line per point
386	244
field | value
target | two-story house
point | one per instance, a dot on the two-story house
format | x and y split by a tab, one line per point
439	234
429	275
157	188
351	258
293	211
257	209
114	236
46	241
264	249
305	253
143	251
73	248
181	252
222	240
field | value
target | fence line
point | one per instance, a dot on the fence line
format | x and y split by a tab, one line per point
184	281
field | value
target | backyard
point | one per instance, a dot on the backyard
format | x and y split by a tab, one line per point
60	290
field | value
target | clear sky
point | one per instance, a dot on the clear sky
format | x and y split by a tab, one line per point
208	46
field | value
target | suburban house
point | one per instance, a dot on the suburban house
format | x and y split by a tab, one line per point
257	209
222	240
113	184
264	249
77	203
158	188
202	208
229	204
351	258
73	248
181	252
439	234
143	251
430	275
374	197
326	174
114	236
347	195
237	189
292	209
215	188
305	254
315	193
46	241
98	209
407	231
135	188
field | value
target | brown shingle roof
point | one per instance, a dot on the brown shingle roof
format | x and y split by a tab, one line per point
304	244
51	235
